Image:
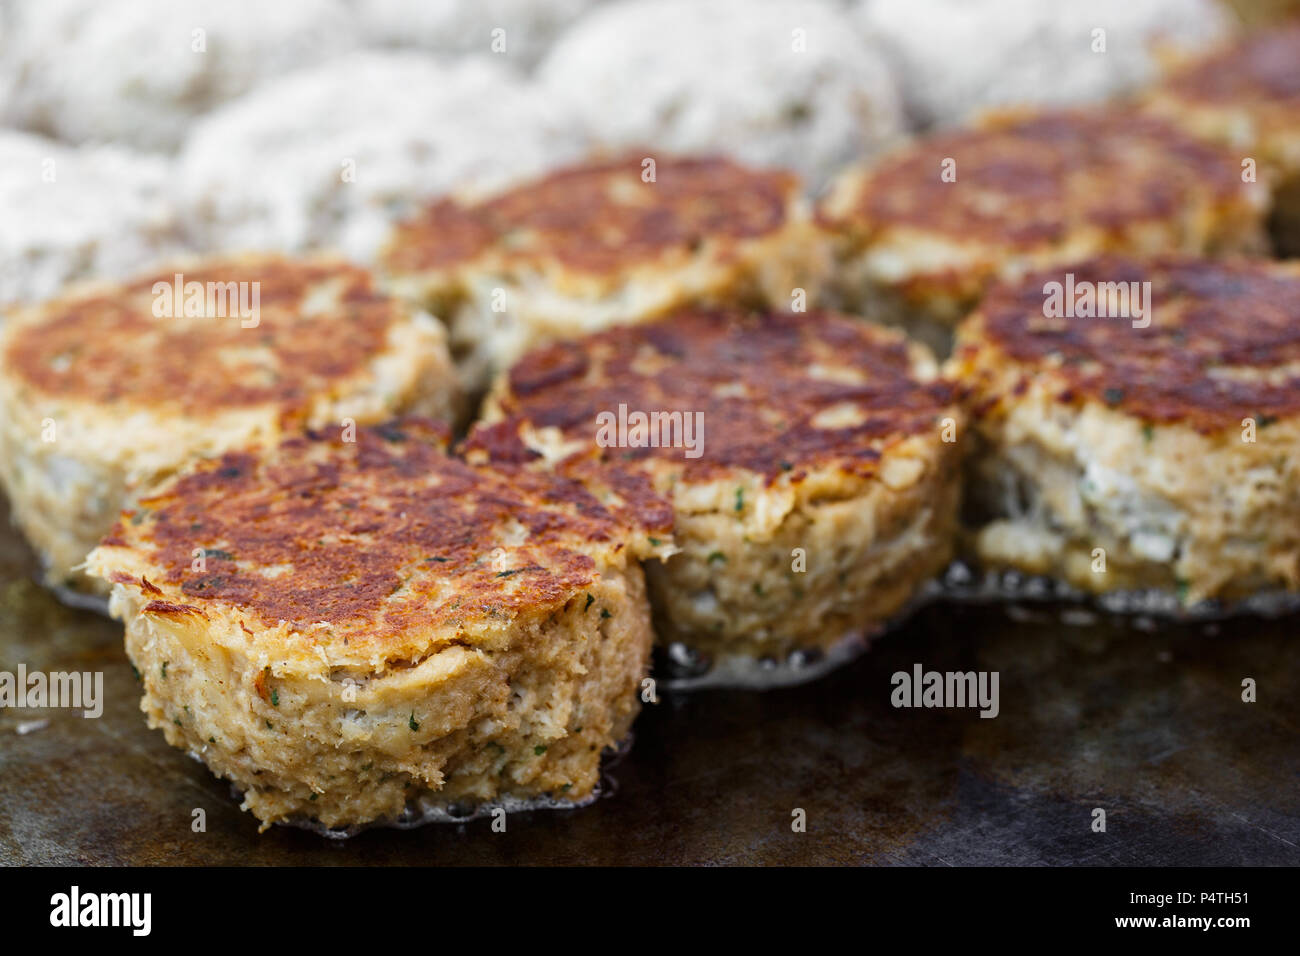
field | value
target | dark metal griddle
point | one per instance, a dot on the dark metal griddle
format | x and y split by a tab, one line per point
1144	721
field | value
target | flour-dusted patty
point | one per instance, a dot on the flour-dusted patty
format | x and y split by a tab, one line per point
113	386
526	27
609	242
956	58
375	632
1133	453
329	156
1247	96
814	476
138	72
924	231
790	84
70	214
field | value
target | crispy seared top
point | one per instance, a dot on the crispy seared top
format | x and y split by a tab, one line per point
380	539
598	217
1031	180
1263	68
779	393
1223	341
310	325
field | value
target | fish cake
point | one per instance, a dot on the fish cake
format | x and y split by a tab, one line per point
1154	454
371	631
1246	95
1030	190
812	467
595	245
112	386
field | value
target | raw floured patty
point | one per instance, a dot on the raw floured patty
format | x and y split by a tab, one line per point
95	212
795	85
955	58
138	72
328	157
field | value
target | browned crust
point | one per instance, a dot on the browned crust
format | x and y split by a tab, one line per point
1218	329
378	538
108	348
696	361
1263	68
1027	181
599	217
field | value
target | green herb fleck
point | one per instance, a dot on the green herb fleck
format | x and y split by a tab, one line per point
539	749
1113	396
413	723
740	500
164	669
590	600
717	556
1148	432
275	698
604	613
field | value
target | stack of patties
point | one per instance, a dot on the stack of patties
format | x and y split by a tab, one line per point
1247	96
811	461
376	632
922	233
112	387
1130	437
609	243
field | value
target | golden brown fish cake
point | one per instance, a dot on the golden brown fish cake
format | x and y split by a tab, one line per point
1247	97
1131	453
812	466
922	233
597	245
112	386
355	630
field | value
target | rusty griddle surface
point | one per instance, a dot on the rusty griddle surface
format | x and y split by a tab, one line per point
1145	723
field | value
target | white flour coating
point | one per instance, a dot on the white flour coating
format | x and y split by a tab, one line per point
957	57
468	26
128	70
694	75
329	157
106	213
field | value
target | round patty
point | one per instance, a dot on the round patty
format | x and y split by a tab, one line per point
1152	451
368	630
1246	95
807	466
1030	190
114	386
597	245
